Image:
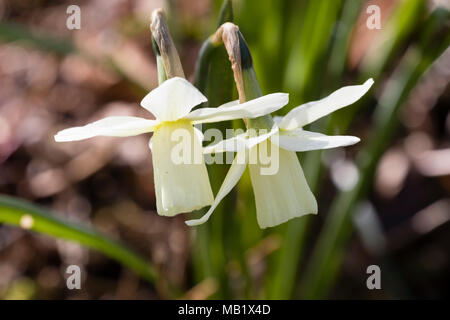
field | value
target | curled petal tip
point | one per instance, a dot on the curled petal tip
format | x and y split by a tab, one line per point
192	223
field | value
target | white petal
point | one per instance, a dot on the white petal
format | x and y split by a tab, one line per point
173	99
301	140
250	109
179	186
311	111
111	126
234	144
259	135
283	195
246	140
236	171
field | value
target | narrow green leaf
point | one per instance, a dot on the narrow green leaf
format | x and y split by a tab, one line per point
226	13
38	219
213	244
210	52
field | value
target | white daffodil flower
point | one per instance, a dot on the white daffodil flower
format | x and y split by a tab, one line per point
179	186
284	195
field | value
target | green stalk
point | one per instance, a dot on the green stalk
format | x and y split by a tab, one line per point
213	246
13	211
251	88
248	88
202	66
323	267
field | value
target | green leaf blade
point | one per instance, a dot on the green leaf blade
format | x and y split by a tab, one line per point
12	211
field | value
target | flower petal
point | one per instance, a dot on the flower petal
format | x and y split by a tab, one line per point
281	196
234	144
173	99
236	171
311	111
246	140
111	126
180	175
301	140
232	110
259	135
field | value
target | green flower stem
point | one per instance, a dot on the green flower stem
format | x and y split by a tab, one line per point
215	247
247	87
253	91
328	253
203	64
12	211
250	86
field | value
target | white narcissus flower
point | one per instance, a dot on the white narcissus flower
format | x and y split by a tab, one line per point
284	195
179	187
